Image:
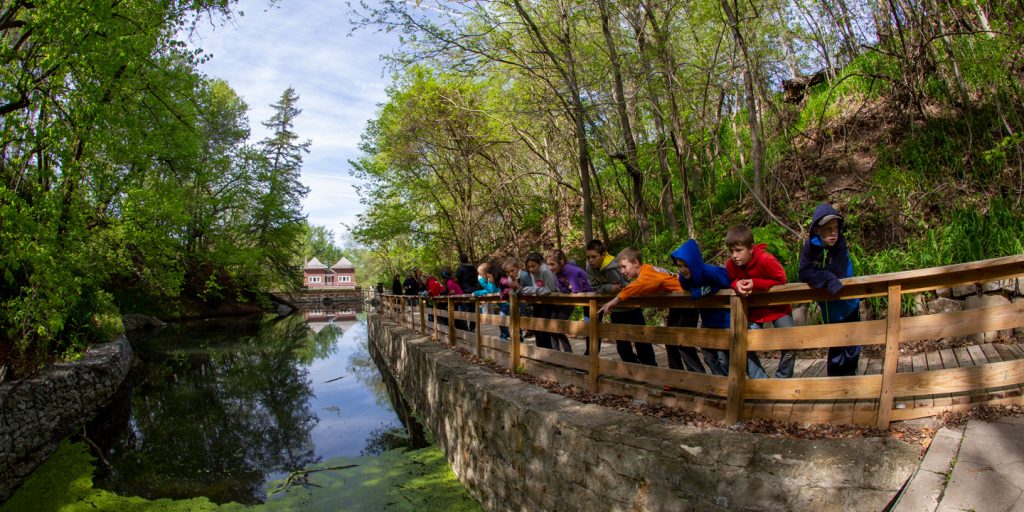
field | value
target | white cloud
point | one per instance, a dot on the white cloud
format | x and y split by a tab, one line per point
339	79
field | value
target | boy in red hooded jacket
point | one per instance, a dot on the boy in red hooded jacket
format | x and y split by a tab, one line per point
752	268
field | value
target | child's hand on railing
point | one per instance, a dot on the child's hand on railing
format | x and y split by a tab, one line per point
608	306
744	286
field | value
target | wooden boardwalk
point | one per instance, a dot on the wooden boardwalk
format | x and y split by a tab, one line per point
892	384
841	411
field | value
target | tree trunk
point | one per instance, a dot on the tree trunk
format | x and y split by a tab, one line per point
947	45
667	197
668	67
618	92
748	82
983	18
566	67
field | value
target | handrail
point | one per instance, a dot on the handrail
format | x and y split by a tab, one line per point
735	389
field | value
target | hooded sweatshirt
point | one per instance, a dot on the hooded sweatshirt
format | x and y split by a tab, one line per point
603	279
650	281
704	280
466	277
434	287
573	279
765	271
544	282
823	267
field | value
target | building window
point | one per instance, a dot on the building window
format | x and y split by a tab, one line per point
345	279
314	279
329	279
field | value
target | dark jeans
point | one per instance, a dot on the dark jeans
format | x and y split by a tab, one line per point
461	324
542	339
561	313
787	358
683	358
718	362
503	311
644	351
842	361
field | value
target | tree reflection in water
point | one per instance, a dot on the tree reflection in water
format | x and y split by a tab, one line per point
411	435
216	409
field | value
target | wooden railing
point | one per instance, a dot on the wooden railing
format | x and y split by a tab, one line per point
874	394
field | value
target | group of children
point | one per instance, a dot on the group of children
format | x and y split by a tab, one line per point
750	268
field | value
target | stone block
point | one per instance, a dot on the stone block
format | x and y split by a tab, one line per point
865	311
944	292
942	450
918	304
944	305
992	286
922	493
960	292
800	315
987	301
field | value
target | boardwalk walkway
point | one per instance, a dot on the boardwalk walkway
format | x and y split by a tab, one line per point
952	357
811	364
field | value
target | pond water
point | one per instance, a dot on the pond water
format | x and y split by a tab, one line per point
234	410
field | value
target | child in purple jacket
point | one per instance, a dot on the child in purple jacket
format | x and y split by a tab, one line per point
571	279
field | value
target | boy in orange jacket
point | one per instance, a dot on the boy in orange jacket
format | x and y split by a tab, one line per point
646	280
752	268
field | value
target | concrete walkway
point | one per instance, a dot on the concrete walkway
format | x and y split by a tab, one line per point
979	468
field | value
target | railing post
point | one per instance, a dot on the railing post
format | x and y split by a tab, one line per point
451	322
513	349
423	318
594	364
433	304
737	358
892	354
479	341
401	315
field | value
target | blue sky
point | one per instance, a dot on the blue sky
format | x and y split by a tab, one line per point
339	78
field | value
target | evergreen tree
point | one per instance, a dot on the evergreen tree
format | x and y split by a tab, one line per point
278	222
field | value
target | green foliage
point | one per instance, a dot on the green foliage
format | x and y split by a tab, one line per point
775	236
862	79
968	235
126	182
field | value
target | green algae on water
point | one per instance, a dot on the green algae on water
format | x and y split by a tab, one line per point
395	480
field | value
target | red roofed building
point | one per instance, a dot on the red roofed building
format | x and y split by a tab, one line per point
341	275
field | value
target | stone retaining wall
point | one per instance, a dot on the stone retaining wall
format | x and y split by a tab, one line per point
518	447
36	413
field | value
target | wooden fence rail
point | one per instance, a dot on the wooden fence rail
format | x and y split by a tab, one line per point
865	399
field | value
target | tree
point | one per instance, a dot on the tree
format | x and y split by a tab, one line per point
278	220
319	242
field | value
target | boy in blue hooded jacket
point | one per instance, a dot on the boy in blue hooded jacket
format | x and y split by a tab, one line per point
825	260
702	279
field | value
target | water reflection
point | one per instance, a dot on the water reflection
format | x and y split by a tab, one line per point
219	408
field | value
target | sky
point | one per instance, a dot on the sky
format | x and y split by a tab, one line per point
339	78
